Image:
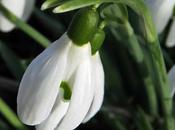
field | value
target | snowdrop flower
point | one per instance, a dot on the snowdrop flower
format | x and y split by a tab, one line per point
21	8
162	11
64	86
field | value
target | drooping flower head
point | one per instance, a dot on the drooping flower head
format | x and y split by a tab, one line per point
64	85
21	8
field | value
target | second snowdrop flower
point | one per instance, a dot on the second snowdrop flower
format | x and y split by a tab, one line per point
64	85
162	10
21	8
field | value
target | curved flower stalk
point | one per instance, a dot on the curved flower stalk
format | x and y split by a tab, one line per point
40	98
21	8
162	11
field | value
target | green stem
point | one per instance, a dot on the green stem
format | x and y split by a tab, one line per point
133	46
24	27
113	77
157	59
162	83
159	68
142	120
10	116
127	71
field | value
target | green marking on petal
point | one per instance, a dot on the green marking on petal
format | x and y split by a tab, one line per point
67	90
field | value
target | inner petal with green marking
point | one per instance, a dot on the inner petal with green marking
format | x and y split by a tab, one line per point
67	90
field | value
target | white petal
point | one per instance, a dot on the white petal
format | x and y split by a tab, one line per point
162	11
58	112
171	36
29	6
171	78
82	96
40	83
76	55
97	77
15	6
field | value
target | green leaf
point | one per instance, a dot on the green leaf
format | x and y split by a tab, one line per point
12	61
6	111
76	4
51	3
142	120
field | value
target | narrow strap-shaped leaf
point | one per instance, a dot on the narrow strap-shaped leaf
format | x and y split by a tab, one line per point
12	61
10	116
51	3
75	4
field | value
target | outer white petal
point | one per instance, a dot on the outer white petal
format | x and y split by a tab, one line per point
171	78
161	11
21	8
40	84
58	112
171	36
97	77
82	96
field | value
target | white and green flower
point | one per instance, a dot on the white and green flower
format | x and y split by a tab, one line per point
62	87
21	8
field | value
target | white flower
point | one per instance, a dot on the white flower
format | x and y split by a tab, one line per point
40	99
162	11
21	8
